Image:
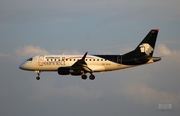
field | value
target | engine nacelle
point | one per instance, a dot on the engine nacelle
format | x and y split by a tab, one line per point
63	70
67	71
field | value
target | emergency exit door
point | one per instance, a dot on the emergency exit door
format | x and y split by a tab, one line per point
119	60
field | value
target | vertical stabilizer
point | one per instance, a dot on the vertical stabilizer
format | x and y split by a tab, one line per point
148	43
144	51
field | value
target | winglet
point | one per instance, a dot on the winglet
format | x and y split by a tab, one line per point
83	58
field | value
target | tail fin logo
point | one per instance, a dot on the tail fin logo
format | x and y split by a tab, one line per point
146	48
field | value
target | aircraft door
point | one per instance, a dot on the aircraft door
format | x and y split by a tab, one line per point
119	60
41	60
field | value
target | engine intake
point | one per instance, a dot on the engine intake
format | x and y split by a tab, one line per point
63	70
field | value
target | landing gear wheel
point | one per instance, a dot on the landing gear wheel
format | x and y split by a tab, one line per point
38	73
91	77
37	78
84	77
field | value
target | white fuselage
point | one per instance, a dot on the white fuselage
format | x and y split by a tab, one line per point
53	62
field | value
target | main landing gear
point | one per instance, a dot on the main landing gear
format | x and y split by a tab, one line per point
38	73
84	77
91	77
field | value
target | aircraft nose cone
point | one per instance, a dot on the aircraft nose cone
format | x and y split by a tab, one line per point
25	66
21	66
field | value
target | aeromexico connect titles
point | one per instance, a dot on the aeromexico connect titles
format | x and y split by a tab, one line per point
80	65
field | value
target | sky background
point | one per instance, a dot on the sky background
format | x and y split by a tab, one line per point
32	27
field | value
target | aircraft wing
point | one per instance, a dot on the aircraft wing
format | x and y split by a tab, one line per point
81	64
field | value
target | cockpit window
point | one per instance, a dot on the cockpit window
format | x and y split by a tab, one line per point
30	59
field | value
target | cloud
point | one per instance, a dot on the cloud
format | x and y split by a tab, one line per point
163	50
171	55
4	55
142	93
29	50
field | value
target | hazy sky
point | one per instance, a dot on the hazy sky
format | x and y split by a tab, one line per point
31	27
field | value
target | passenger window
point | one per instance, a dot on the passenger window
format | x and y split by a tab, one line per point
97	59
94	60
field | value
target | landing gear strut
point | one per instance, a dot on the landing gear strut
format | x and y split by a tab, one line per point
38	73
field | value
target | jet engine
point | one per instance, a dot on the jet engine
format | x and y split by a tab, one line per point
67	71
63	70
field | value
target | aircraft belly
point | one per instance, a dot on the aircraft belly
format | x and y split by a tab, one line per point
115	67
96	68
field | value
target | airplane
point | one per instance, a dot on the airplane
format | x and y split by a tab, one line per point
80	65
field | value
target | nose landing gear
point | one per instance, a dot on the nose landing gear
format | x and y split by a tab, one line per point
38	73
37	78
